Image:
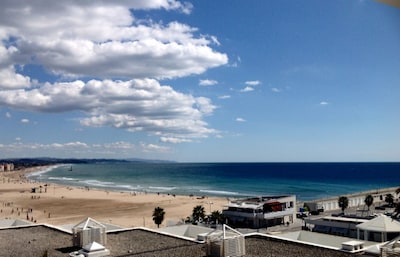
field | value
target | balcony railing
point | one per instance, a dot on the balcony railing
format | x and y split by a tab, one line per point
269	215
277	214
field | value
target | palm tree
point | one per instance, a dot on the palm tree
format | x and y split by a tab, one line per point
369	200
217	217
389	199
343	203
158	216
198	213
396	212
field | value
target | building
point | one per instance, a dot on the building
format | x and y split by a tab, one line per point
335	225
356	200
7	167
379	228
261	212
47	240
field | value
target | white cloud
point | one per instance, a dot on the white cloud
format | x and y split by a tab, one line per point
154	148
111	43
76	144
275	90
240	119
24	120
247	89
8	115
77	40
214	39
224	97
324	103
253	83
9	79
135	105
118	145
174	140
76	148
207	82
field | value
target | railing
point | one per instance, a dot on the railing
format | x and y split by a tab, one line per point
269	215
276	214
242	214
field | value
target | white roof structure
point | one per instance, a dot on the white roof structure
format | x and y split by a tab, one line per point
5	223
89	223
94	250
381	223
94	246
89	231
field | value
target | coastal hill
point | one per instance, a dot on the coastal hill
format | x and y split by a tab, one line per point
20	163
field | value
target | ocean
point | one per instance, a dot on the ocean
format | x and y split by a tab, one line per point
308	181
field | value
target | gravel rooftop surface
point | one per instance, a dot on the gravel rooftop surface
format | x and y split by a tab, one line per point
38	240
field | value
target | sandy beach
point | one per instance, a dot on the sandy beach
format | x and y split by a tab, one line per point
58	204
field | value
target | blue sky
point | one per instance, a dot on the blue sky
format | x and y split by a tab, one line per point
200	81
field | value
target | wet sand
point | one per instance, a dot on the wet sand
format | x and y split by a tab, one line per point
58	204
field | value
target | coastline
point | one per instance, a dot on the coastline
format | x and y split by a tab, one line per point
60	204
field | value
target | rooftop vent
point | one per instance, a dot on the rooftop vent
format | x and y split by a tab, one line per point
88	231
353	246
229	243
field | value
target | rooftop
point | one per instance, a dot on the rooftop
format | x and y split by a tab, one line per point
34	241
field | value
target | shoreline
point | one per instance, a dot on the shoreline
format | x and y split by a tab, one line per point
58	204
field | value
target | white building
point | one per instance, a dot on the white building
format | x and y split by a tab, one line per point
261	211
7	167
379	229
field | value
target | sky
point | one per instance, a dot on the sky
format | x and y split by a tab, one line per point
200	81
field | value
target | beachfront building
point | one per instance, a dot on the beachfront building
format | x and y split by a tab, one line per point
356	200
7	167
378	229
261	212
335	225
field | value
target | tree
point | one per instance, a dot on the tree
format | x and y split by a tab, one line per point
343	203
389	199
398	191
217	217
158	216
198	213
369	200
396	212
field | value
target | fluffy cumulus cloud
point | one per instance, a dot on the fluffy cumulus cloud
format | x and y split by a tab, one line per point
103	39
134	105
109	63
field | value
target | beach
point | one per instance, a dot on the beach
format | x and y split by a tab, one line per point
54	204
59	205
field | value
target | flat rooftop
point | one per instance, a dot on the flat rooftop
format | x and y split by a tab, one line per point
36	240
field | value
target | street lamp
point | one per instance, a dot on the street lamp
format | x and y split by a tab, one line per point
210	205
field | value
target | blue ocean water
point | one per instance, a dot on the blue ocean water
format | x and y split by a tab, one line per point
307	181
